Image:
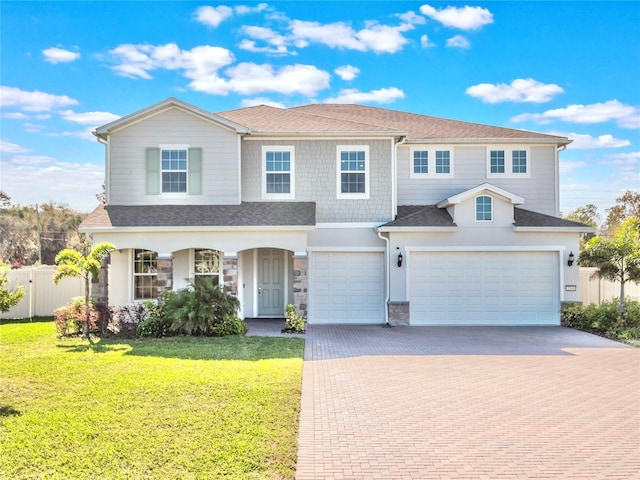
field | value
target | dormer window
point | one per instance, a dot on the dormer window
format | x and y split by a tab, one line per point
508	162
484	208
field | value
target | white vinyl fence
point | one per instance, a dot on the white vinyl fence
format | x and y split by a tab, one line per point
596	290
41	295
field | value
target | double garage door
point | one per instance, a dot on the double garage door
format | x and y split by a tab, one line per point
346	287
484	288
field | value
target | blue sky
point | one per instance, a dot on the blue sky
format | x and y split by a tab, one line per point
567	68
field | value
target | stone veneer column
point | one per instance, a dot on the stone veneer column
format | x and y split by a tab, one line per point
300	283
399	314
230	274
100	285
164	279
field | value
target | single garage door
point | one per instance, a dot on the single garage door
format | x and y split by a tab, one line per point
484	288
346	287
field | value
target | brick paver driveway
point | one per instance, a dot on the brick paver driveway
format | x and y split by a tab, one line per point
468	403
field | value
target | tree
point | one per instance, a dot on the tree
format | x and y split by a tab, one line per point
73	264
616	259
589	216
8	298
628	205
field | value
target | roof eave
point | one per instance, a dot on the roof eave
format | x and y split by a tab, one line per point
417	229
491	140
213	228
559	229
316	133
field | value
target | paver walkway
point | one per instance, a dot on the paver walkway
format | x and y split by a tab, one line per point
468	403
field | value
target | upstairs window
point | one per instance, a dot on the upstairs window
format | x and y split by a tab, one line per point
278	176
421	161
484	208
508	162
145	275
174	171
353	171
497	161
431	162
519	161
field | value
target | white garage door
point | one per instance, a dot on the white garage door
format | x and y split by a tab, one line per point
484	288
346	287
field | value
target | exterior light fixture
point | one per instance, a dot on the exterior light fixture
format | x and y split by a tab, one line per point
571	258
399	258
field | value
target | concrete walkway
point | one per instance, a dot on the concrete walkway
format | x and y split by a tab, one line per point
468	403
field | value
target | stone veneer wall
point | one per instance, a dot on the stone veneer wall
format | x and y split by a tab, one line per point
230	275
399	314
165	274
300	283
100	285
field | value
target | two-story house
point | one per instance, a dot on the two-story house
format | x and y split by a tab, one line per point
355	214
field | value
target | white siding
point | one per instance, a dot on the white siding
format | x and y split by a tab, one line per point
470	170
127	165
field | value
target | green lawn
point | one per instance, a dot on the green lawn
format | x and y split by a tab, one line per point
179	408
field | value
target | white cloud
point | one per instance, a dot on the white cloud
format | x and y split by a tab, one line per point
625	116
93	119
33	127
278	43
252	102
59	55
72	184
384	95
412	18
465	18
250	78
244	9
624	155
347	72
35	101
568	166
15	116
8	147
85	134
425	42
585	141
520	90
213	16
458	41
375	37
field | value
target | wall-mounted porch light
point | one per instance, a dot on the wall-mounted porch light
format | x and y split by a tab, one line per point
399	257
571	259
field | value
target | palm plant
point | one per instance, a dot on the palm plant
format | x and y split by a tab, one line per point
616	259
73	264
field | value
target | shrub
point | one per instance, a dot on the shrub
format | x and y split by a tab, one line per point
155	327
605	318
124	320
198	308
230	326
294	321
70	318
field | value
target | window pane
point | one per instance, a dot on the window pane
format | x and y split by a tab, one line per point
421	161
443	161
173	182
497	161
519	161
278	183
207	262
145	274
483	209
353	182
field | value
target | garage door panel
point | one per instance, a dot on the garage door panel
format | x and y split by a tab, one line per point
481	288
346	287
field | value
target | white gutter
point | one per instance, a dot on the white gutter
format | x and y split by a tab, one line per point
388	277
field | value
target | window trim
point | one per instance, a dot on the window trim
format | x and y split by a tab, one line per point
431	162
136	275
475	208
194	271
292	175
367	168
171	146
508	161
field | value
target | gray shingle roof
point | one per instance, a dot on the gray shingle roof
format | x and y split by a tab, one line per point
432	216
421	216
527	218
247	214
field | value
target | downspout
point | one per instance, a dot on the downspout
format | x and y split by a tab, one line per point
387	280
557	182
394	177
